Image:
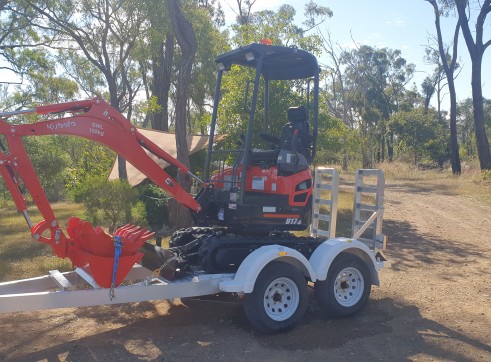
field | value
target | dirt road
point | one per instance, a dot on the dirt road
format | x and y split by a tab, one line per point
434	303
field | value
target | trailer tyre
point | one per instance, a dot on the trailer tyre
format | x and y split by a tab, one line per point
346	288
279	299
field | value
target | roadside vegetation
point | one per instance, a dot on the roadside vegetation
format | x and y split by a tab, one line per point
22	257
472	183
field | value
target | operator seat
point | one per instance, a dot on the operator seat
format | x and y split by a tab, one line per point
295	133
295	142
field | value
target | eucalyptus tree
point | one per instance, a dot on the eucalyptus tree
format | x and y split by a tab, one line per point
379	77
18	43
429	87
185	37
29	70
156	59
339	100
244	11
449	63
159	58
435	83
105	33
420	132
210	41
280	27
466	126
476	46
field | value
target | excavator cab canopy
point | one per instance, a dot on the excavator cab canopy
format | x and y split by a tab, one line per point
278	62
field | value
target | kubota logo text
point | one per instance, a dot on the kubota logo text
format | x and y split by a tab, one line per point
60	125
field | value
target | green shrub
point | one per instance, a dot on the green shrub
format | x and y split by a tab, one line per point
109	202
154	200
50	162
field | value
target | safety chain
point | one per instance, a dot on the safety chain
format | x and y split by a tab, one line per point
118	244
157	271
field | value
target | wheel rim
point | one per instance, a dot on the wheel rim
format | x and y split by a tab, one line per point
348	287
281	299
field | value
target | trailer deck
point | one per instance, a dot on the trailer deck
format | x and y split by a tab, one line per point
78	289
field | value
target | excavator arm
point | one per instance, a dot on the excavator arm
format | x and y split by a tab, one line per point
95	120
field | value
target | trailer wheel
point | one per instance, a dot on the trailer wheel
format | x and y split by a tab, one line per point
346	288
279	299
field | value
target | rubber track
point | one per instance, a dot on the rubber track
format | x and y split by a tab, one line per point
212	245
198	246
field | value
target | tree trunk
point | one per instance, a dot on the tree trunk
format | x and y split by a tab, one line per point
478	105
390	146
449	73
476	51
185	36
113	96
454	144
344	165
162	76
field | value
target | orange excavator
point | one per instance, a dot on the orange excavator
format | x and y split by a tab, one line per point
250	200
247	195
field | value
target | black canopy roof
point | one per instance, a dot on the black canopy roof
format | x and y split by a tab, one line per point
280	63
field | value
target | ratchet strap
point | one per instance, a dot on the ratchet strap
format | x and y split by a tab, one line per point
118	244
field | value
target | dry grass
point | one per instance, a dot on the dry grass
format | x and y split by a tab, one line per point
20	255
472	183
345	212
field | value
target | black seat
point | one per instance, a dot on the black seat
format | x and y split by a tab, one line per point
295	141
264	157
295	133
292	150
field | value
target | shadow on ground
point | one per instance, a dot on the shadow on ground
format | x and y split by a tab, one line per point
409	248
213	330
209	330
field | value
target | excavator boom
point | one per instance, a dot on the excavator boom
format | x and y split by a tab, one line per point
98	121
95	120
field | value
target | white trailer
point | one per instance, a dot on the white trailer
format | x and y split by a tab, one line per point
272	280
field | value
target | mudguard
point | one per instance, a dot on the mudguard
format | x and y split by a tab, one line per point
249	269
325	254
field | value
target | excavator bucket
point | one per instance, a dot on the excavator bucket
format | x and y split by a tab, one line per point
97	250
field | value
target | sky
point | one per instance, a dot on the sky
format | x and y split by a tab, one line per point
395	24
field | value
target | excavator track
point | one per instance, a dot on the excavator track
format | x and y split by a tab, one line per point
217	251
226	253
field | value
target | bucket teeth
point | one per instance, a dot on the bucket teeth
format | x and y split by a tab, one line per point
132	233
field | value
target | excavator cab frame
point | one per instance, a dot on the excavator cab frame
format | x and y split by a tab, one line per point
264	190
